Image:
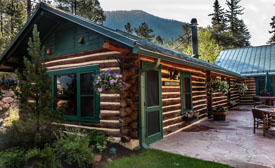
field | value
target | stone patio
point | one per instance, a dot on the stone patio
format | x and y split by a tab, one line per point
230	142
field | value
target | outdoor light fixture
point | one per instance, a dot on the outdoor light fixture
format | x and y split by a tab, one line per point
174	75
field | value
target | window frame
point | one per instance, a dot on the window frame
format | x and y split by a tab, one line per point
185	75
78	71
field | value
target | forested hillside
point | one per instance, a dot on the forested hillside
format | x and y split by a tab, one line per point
163	27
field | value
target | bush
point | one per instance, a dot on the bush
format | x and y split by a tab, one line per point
73	148
41	158
98	139
23	133
12	158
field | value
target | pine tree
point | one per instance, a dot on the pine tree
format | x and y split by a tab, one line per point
128	28
219	26
144	31
35	84
244	34
159	40
218	17
232	14
239	34
272	38
89	9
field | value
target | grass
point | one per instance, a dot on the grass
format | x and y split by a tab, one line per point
159	159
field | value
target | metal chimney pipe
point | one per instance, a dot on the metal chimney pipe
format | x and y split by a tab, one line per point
195	46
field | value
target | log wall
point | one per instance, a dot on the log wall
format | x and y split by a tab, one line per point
247	98
114	108
171	97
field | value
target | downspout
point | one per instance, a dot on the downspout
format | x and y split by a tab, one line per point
141	78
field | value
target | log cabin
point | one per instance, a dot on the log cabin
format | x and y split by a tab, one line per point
163	85
252	63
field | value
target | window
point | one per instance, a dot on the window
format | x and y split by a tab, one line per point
186	92
73	89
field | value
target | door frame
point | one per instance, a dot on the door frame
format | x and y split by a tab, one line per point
147	66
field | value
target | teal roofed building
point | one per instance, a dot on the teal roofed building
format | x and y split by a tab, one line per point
251	62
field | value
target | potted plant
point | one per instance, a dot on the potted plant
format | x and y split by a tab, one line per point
219	113
218	85
108	82
241	88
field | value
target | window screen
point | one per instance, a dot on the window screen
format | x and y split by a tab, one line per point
152	88
153	122
86	95
186	93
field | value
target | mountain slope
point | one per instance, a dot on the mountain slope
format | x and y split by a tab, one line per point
163	27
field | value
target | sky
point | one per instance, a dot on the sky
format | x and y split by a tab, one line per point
257	13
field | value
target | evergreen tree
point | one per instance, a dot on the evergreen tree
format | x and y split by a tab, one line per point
237	29
219	26
35	85
159	40
244	34
218	17
128	28
144	31
272	38
89	9
232	15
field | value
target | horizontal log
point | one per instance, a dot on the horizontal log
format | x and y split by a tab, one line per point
109	131
109	114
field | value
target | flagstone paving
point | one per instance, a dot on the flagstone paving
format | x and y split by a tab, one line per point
230	142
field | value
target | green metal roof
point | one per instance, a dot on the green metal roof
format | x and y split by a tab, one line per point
138	44
250	61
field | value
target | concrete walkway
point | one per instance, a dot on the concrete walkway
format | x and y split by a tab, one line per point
230	142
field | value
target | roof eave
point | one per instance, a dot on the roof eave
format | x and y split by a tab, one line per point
139	50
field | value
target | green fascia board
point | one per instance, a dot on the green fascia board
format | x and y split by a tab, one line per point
189	61
258	74
90	25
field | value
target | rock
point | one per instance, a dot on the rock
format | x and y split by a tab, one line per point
6	106
97	158
109	160
7	100
8	94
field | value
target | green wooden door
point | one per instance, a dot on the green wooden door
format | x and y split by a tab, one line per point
153	106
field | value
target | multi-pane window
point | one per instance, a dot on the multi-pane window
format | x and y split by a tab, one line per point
74	91
186	92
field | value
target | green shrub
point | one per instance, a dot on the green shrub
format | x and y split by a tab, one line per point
23	133
45	158
73	148
12	158
98	139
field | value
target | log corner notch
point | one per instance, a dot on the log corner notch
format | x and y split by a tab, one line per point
116	47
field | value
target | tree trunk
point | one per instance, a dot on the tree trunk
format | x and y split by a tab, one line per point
29	8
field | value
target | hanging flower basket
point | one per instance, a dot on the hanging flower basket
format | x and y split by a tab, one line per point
241	88
108	82
218	86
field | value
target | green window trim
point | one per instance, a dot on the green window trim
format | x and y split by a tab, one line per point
185	75
78	71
